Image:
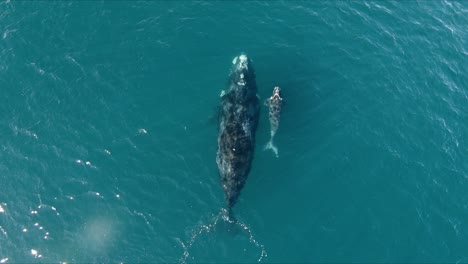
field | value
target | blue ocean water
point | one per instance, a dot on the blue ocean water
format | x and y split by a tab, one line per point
108	143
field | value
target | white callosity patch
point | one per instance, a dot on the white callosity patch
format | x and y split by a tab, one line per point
242	80
243	62
242	58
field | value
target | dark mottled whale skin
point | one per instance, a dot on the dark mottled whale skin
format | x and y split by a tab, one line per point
238	119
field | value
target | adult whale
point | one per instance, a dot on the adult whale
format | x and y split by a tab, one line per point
238	119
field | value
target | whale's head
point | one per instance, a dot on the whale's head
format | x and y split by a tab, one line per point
277	91
276	94
242	73
241	62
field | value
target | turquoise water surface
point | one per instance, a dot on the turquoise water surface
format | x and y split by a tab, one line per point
108	143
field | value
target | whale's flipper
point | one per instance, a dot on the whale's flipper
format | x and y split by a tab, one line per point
271	146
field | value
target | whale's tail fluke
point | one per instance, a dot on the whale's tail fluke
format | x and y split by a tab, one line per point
227	219
271	145
228	215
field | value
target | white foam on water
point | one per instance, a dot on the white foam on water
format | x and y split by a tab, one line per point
209	227
3	231
89	164
3	260
35	253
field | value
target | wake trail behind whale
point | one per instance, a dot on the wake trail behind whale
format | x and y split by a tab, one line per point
226	217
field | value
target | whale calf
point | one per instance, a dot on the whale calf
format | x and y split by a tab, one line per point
238	119
274	103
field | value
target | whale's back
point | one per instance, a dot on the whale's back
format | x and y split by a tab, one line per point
239	111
